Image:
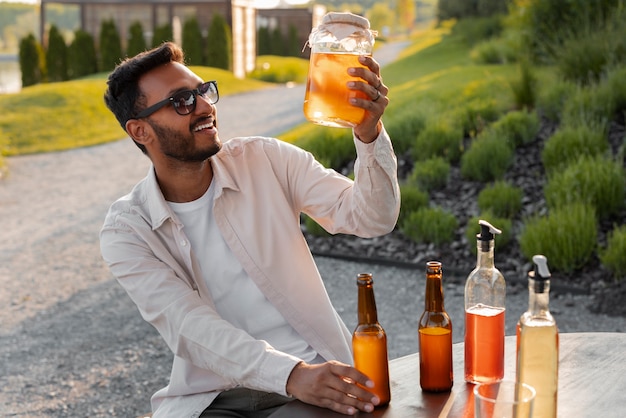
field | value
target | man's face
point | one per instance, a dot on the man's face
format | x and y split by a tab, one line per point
184	138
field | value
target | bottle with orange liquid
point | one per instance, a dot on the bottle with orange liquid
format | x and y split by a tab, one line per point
485	293
435	335
538	342
336	45
369	341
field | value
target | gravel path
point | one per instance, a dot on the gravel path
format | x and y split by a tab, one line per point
72	344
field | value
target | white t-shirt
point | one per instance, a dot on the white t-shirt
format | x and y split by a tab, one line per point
237	298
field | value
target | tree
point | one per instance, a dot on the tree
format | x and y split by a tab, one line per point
219	43
264	41
82	59
193	42
162	34
32	61
56	56
277	43
405	14
136	41
110	45
381	18
294	49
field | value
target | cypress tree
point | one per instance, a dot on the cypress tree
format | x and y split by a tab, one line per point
32	61
110	45
277	43
264	41
192	42
294	49
136	41
220	43
162	34
56	56
82	59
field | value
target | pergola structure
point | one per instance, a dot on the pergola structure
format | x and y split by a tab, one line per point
240	15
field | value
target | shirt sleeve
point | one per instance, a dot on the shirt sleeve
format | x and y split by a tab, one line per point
164	293
366	207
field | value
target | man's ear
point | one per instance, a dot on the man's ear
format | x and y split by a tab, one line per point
138	131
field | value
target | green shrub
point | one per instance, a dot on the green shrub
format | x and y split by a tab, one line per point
568	144
219	53
411	199
597	181
193	43
552	98
592	105
549	23
82	59
430	225
110	45
332	147
32	61
404	125
524	87
500	241
478	29
615	86
519	127
162	33
275	69
582	60
56	56
613	255
501	199
494	51
438	139
487	158
430	174
567	237
477	114
136	41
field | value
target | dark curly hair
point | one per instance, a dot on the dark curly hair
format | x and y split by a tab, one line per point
123	96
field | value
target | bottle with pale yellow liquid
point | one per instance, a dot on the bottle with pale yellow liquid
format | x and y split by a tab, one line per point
336	45
538	342
369	341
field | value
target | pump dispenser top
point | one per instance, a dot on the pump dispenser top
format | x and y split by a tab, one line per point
540	274
487	233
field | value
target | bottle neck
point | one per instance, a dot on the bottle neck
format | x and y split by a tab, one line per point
485	254
433	298
367	304
539	297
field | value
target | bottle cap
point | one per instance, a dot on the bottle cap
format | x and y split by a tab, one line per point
540	274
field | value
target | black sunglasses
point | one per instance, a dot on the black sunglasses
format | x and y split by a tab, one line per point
184	102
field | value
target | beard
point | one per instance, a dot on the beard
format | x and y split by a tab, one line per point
181	147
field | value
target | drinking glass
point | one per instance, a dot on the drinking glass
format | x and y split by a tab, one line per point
505	399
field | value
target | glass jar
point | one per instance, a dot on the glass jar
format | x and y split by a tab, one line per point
336	45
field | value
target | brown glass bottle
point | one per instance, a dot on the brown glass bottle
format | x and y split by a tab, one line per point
435	335
369	341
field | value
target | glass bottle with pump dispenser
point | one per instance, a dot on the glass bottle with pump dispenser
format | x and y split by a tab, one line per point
485	293
435	335
369	341
538	342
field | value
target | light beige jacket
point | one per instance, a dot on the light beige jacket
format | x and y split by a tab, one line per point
262	186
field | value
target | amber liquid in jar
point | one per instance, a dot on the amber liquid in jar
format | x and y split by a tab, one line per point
484	344
326	101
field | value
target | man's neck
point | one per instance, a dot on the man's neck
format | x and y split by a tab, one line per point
184	182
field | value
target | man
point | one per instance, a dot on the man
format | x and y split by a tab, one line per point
209	245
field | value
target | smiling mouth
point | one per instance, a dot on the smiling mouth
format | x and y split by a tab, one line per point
205	125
